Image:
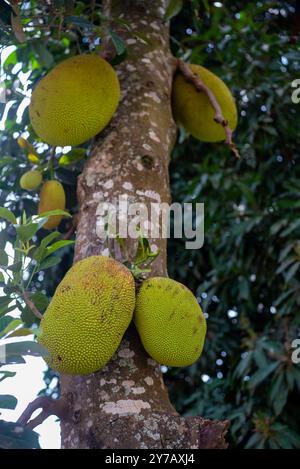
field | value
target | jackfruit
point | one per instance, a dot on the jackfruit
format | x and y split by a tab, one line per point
88	315
193	111
31	180
170	322
52	197
75	101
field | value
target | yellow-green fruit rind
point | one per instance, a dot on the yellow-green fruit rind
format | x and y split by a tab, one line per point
31	180
193	111
52	197
75	101
88	315
170	322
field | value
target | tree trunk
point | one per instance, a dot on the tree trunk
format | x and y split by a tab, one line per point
126	404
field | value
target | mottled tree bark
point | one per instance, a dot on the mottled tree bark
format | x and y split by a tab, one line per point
126	404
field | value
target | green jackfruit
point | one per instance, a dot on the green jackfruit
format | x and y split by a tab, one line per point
192	109
75	101
88	315
52	197
31	180
170	322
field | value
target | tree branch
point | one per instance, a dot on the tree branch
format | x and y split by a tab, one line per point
72	228
219	118
49	406
31	305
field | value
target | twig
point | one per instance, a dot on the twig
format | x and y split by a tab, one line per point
31	305
218	118
51	161
72	228
49	406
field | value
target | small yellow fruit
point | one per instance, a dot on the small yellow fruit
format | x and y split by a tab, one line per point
33	158
31	180
170	322
52	197
25	145
193	111
22	142
75	101
88	315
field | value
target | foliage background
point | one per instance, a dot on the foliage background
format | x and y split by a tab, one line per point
247	274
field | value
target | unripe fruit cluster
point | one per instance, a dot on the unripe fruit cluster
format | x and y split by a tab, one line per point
94	305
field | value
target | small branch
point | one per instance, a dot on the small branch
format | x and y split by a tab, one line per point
73	227
219	118
49	406
31	305
51	161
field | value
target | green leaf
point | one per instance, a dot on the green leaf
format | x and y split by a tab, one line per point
291	272
45	57
6	161
3	258
72	157
40	252
23	332
118	43
174	7
280	400
49	262
3	239
2	279
262	374
8	215
118	59
26	232
143	37
10	327
16	436
49	238
4	302
58	245
7	309
253	440
6	12
53	212
4	321
276	386
16	350
8	402
16	267
41	301
6	374
79	21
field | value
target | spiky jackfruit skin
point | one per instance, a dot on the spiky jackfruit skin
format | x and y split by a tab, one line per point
31	180
193	111
170	322
52	197
75	101
88	315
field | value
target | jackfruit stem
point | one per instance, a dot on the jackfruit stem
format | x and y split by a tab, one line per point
219	118
51	162
31	305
